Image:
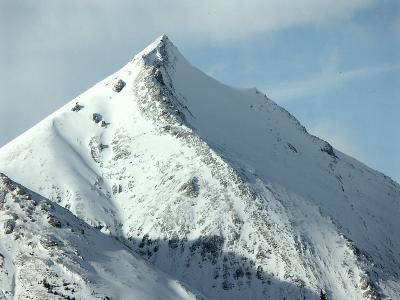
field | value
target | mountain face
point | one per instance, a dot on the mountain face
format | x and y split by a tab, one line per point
220	189
48	253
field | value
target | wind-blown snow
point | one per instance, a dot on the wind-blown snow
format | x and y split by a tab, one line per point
217	186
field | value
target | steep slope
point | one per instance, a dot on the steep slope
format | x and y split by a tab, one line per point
217	186
47	253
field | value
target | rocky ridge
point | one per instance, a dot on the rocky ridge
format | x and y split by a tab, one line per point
218	187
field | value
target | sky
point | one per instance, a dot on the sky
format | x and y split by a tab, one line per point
334	65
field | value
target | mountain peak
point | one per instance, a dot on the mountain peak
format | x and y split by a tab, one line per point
162	47
218	187
162	40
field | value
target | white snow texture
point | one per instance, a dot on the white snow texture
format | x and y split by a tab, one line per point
159	182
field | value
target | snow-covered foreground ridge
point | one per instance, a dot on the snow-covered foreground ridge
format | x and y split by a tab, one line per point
48	253
216	186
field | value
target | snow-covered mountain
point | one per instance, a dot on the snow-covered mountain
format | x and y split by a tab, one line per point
216	186
48	253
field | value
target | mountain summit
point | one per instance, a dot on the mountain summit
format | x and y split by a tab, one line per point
218	187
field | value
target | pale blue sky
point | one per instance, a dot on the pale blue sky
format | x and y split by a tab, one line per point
335	65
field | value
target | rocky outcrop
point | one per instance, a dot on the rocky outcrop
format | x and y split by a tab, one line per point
190	188
77	107
327	148
49	242
9	226
119	85
96	147
54	221
97	117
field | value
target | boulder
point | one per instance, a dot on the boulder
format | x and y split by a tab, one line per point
8	226
327	148
119	86
97	117
77	107
104	124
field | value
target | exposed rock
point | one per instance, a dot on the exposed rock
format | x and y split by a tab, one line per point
95	148
77	107
48	242
1	260
3	194
9	226
104	124
145	241
159	77
53	221
119	86
190	188
210	247
322	295
20	191
364	283
369	288
238	273
240	200
327	148
227	285
46	206
8	183
371	294
173	243
121	145
97	117
259	273
300	282
116	189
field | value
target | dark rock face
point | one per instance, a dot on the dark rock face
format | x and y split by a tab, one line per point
370	291
104	124
119	86
8	226
210	247
77	107
1	260
159	77
327	148
366	283
116	189
97	117
259	273
8	184
53	221
190	188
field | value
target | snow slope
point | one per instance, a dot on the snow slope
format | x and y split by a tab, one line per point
217	186
50	254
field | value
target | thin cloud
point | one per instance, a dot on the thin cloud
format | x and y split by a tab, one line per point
208	19
323	82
